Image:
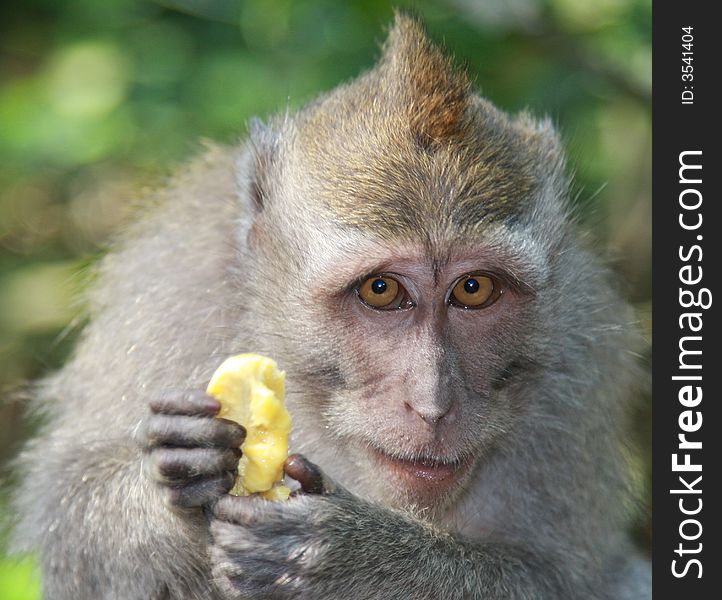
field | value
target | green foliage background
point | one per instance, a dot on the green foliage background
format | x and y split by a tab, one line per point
101	98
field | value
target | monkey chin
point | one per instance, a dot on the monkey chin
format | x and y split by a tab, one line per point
427	483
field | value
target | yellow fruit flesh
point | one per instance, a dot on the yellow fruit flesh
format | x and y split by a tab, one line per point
251	391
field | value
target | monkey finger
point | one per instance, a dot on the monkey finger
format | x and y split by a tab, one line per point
171	465
244	510
240	570
201	492
309	475
191	403
166	430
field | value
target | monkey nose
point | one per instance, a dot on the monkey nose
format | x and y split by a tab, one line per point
431	414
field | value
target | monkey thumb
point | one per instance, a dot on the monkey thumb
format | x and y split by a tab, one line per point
309	475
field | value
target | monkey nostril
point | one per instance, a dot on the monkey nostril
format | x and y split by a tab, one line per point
431	419
431	415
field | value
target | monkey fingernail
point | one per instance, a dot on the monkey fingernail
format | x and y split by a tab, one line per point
306	473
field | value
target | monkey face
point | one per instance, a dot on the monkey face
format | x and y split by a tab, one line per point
434	344
410	359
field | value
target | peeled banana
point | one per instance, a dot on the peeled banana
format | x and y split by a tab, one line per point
251	391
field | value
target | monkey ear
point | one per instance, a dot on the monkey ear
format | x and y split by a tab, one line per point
544	137
254	169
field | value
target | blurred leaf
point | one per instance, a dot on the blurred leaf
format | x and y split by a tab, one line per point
216	10
87	80
162	52
229	88
266	23
37	298
19	579
588	14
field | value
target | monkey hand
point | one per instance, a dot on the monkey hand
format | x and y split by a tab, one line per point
316	545
190	453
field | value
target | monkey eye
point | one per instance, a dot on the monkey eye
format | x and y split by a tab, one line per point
382	292
476	290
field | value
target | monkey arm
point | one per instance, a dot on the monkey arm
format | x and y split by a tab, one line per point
88	497
331	545
115	518
102	528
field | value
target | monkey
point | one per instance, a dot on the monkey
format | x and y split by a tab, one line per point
460	367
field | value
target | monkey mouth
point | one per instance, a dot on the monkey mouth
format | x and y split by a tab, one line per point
422	472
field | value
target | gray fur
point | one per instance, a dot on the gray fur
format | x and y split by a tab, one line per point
229	261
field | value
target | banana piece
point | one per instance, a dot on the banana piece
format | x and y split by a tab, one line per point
251	391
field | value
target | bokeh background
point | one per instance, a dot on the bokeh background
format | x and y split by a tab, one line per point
99	99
